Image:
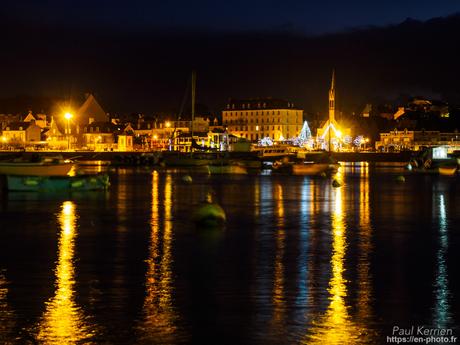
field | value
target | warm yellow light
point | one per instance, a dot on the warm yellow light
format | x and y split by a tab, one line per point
155	137
338	134
168	124
68	116
4	139
367	140
257	128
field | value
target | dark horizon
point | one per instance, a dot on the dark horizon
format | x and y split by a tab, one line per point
148	71
294	16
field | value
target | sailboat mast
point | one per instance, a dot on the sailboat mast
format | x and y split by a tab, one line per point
193	100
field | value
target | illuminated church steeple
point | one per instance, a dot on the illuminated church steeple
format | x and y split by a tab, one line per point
332	99
331	133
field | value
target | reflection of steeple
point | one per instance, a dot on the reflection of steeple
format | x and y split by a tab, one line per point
335	325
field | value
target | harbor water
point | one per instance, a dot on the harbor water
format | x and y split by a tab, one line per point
298	261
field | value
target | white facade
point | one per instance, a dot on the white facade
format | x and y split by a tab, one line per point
256	119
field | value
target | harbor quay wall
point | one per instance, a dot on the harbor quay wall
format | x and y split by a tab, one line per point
144	156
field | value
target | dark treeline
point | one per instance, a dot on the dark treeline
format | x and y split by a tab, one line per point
134	72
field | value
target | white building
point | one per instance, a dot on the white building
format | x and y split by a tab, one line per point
255	119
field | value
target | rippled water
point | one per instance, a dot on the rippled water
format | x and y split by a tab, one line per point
298	261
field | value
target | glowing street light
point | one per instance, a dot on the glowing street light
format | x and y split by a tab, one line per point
68	116
4	140
168	124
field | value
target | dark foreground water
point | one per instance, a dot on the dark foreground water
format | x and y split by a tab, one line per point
298	261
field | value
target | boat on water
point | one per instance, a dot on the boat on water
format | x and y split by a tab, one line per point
324	164
91	182
434	160
227	169
448	170
37	166
185	161
313	168
271	152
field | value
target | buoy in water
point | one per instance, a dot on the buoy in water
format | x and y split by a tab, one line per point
187	179
209	214
336	183
400	178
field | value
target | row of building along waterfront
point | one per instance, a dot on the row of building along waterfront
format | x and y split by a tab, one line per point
243	122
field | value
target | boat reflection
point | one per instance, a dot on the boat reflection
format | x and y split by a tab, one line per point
160	318
64	322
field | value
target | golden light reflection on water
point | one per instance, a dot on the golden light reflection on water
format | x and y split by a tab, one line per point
64	321
6	314
278	298
122	198
335	326
159	314
256	198
364	297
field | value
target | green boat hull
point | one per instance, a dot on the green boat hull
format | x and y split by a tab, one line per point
57	183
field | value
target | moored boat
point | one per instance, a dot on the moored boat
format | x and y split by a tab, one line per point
312	168
227	169
324	164
433	160
271	152
90	182
44	167
448	170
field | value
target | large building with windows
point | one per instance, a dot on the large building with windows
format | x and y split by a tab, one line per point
416	140
255	119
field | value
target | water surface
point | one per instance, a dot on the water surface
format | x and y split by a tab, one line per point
298	261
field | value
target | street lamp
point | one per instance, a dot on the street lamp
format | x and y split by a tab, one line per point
4	140
68	117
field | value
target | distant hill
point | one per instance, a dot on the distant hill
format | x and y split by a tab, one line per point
149	71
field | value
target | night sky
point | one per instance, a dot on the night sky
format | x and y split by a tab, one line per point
309	17
137	56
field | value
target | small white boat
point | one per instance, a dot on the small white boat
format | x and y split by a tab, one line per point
267	152
45	167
